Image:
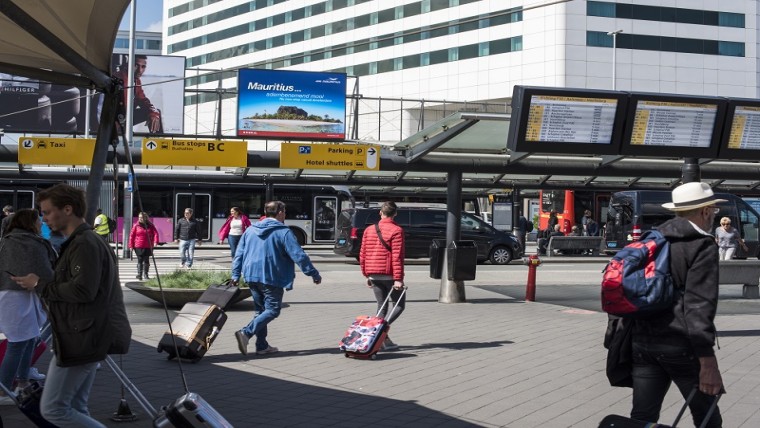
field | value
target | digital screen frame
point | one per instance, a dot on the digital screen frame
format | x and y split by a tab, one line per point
747	120
653	117
291	105
566	121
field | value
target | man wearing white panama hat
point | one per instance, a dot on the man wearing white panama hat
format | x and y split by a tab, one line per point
677	345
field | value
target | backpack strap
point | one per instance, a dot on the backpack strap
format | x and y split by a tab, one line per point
380	237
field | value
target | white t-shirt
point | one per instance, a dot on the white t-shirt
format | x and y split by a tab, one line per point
236	227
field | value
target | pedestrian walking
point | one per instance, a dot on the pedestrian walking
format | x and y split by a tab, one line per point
381	258
22	251
142	239
85	307
265	259
728	239
187	233
677	345
524	227
233	228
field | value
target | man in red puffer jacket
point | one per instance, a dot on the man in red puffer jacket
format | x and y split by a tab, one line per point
382	261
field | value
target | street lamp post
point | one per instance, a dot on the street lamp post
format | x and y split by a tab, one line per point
614	51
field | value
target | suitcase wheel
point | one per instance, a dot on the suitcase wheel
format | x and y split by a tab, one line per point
345	354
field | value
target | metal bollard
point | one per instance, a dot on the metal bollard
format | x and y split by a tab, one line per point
530	288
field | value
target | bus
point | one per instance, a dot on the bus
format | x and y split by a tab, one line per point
312	210
570	206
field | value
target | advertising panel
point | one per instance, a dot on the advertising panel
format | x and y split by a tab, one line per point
159	95
291	105
28	105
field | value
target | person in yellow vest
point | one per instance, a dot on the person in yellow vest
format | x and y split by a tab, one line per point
101	225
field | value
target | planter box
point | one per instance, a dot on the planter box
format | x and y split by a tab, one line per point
177	297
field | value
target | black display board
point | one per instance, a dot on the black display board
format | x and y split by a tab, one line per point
679	126
741	133
566	121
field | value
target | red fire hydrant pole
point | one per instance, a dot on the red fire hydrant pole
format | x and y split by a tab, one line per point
530	288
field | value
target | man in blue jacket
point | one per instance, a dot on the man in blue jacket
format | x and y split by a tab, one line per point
265	257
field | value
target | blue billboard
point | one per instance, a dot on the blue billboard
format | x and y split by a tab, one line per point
291	105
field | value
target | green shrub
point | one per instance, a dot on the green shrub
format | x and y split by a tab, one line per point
189	278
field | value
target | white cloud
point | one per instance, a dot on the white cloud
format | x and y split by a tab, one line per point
154	26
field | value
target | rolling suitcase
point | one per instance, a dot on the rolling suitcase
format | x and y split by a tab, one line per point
365	337
190	410
617	421
28	401
220	294
195	328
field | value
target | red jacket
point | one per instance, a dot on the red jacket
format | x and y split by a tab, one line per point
374	258
224	232
143	237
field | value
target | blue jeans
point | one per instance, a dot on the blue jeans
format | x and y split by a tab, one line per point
186	251
67	390
267	302
654	367
18	359
233	240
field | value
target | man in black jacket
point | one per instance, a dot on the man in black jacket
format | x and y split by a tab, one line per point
187	233
677	345
85	308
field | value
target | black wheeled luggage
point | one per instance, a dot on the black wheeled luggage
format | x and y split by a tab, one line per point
195	328
221	295
28	401
190	410
617	421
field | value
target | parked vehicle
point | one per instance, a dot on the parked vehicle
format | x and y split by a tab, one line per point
421	226
632	213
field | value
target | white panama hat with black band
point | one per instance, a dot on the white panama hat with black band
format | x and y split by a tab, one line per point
691	196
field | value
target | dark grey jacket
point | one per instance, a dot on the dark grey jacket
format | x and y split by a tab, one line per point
85	302
22	253
187	230
694	268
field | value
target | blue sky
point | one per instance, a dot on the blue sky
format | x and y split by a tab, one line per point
149	15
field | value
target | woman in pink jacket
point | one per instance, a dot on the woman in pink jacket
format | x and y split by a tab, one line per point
233	229
142	238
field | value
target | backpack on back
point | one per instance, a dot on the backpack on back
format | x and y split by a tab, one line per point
637	281
111	225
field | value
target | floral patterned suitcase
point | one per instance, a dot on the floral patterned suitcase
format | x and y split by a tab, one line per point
366	335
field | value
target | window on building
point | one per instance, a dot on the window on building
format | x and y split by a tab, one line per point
153	44
438	5
731	49
386	15
439	57
599	39
726	19
411	61
467	52
385	66
412	9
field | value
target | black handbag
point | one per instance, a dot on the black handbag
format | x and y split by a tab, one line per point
619	343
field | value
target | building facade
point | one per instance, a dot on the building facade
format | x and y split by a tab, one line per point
464	50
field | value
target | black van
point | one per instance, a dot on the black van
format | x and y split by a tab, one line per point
421	226
632	213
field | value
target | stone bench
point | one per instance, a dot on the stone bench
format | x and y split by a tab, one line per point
578	243
745	272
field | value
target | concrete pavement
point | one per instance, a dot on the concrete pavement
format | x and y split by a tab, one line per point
491	362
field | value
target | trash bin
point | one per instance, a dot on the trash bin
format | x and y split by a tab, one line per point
437	253
462	258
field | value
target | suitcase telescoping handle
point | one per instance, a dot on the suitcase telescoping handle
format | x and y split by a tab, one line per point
710	411
388	298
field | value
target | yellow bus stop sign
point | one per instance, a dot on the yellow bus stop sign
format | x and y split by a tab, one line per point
170	151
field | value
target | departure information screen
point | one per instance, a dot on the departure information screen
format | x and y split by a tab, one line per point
570	119
745	128
675	124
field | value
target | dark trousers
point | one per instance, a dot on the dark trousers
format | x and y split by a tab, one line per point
381	288
654	367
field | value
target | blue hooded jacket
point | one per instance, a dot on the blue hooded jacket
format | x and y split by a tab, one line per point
266	253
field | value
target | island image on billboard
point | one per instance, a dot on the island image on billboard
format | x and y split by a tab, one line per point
291	105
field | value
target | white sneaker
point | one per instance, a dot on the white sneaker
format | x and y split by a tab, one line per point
34	374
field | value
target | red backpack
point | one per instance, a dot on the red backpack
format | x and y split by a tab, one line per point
637	281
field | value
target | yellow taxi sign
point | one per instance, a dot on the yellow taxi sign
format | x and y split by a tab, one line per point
55	151
363	157
170	151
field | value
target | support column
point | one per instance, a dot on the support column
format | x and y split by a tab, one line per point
690	171
452	291
100	154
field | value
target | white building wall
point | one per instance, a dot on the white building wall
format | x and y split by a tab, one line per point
554	53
